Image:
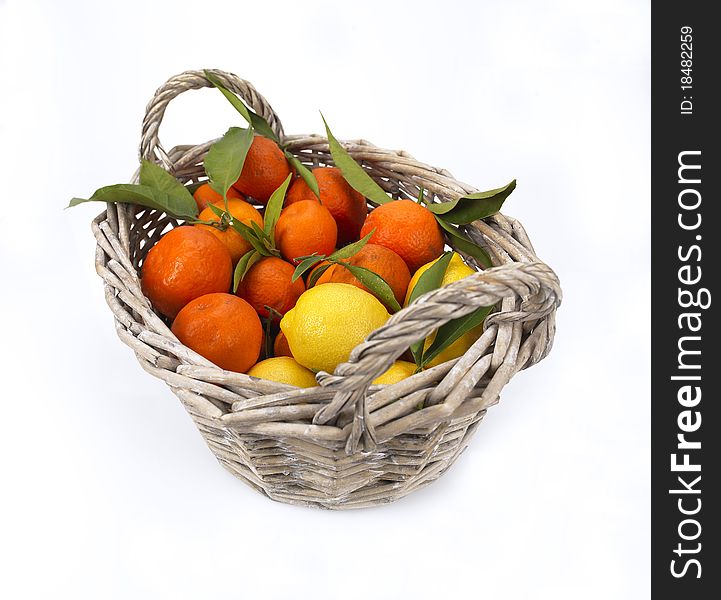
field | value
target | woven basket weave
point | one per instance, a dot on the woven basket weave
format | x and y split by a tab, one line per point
346	443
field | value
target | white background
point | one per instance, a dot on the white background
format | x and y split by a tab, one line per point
110	492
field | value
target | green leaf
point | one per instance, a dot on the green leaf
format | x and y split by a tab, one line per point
246	261
351	249
352	172
451	331
315	275
304	172
268	330
225	159
274	206
375	283
417	352
247	233
306	264
259	231
250	236
271	250
237	103
260	125
463	244
175	205
430	279
472	207
219	212
155	176
264	239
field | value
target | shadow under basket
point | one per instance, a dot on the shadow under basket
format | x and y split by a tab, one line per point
346	443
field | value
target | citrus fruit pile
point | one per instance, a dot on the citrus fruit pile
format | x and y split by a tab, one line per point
279	270
271	324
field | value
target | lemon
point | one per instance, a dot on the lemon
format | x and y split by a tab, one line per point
399	370
456	270
283	369
328	321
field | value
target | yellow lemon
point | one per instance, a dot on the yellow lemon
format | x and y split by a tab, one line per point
399	370
283	369
328	321
456	270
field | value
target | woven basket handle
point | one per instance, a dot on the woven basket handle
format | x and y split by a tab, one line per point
534	283
150	147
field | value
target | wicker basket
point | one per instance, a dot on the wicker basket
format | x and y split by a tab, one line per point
346	443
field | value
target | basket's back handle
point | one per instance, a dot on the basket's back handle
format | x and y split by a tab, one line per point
535	283
150	146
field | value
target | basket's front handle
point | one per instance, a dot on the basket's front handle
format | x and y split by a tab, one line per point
534	282
150	146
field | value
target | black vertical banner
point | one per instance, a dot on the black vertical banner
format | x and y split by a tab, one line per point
686	260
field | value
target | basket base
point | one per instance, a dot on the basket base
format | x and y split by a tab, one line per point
298	472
